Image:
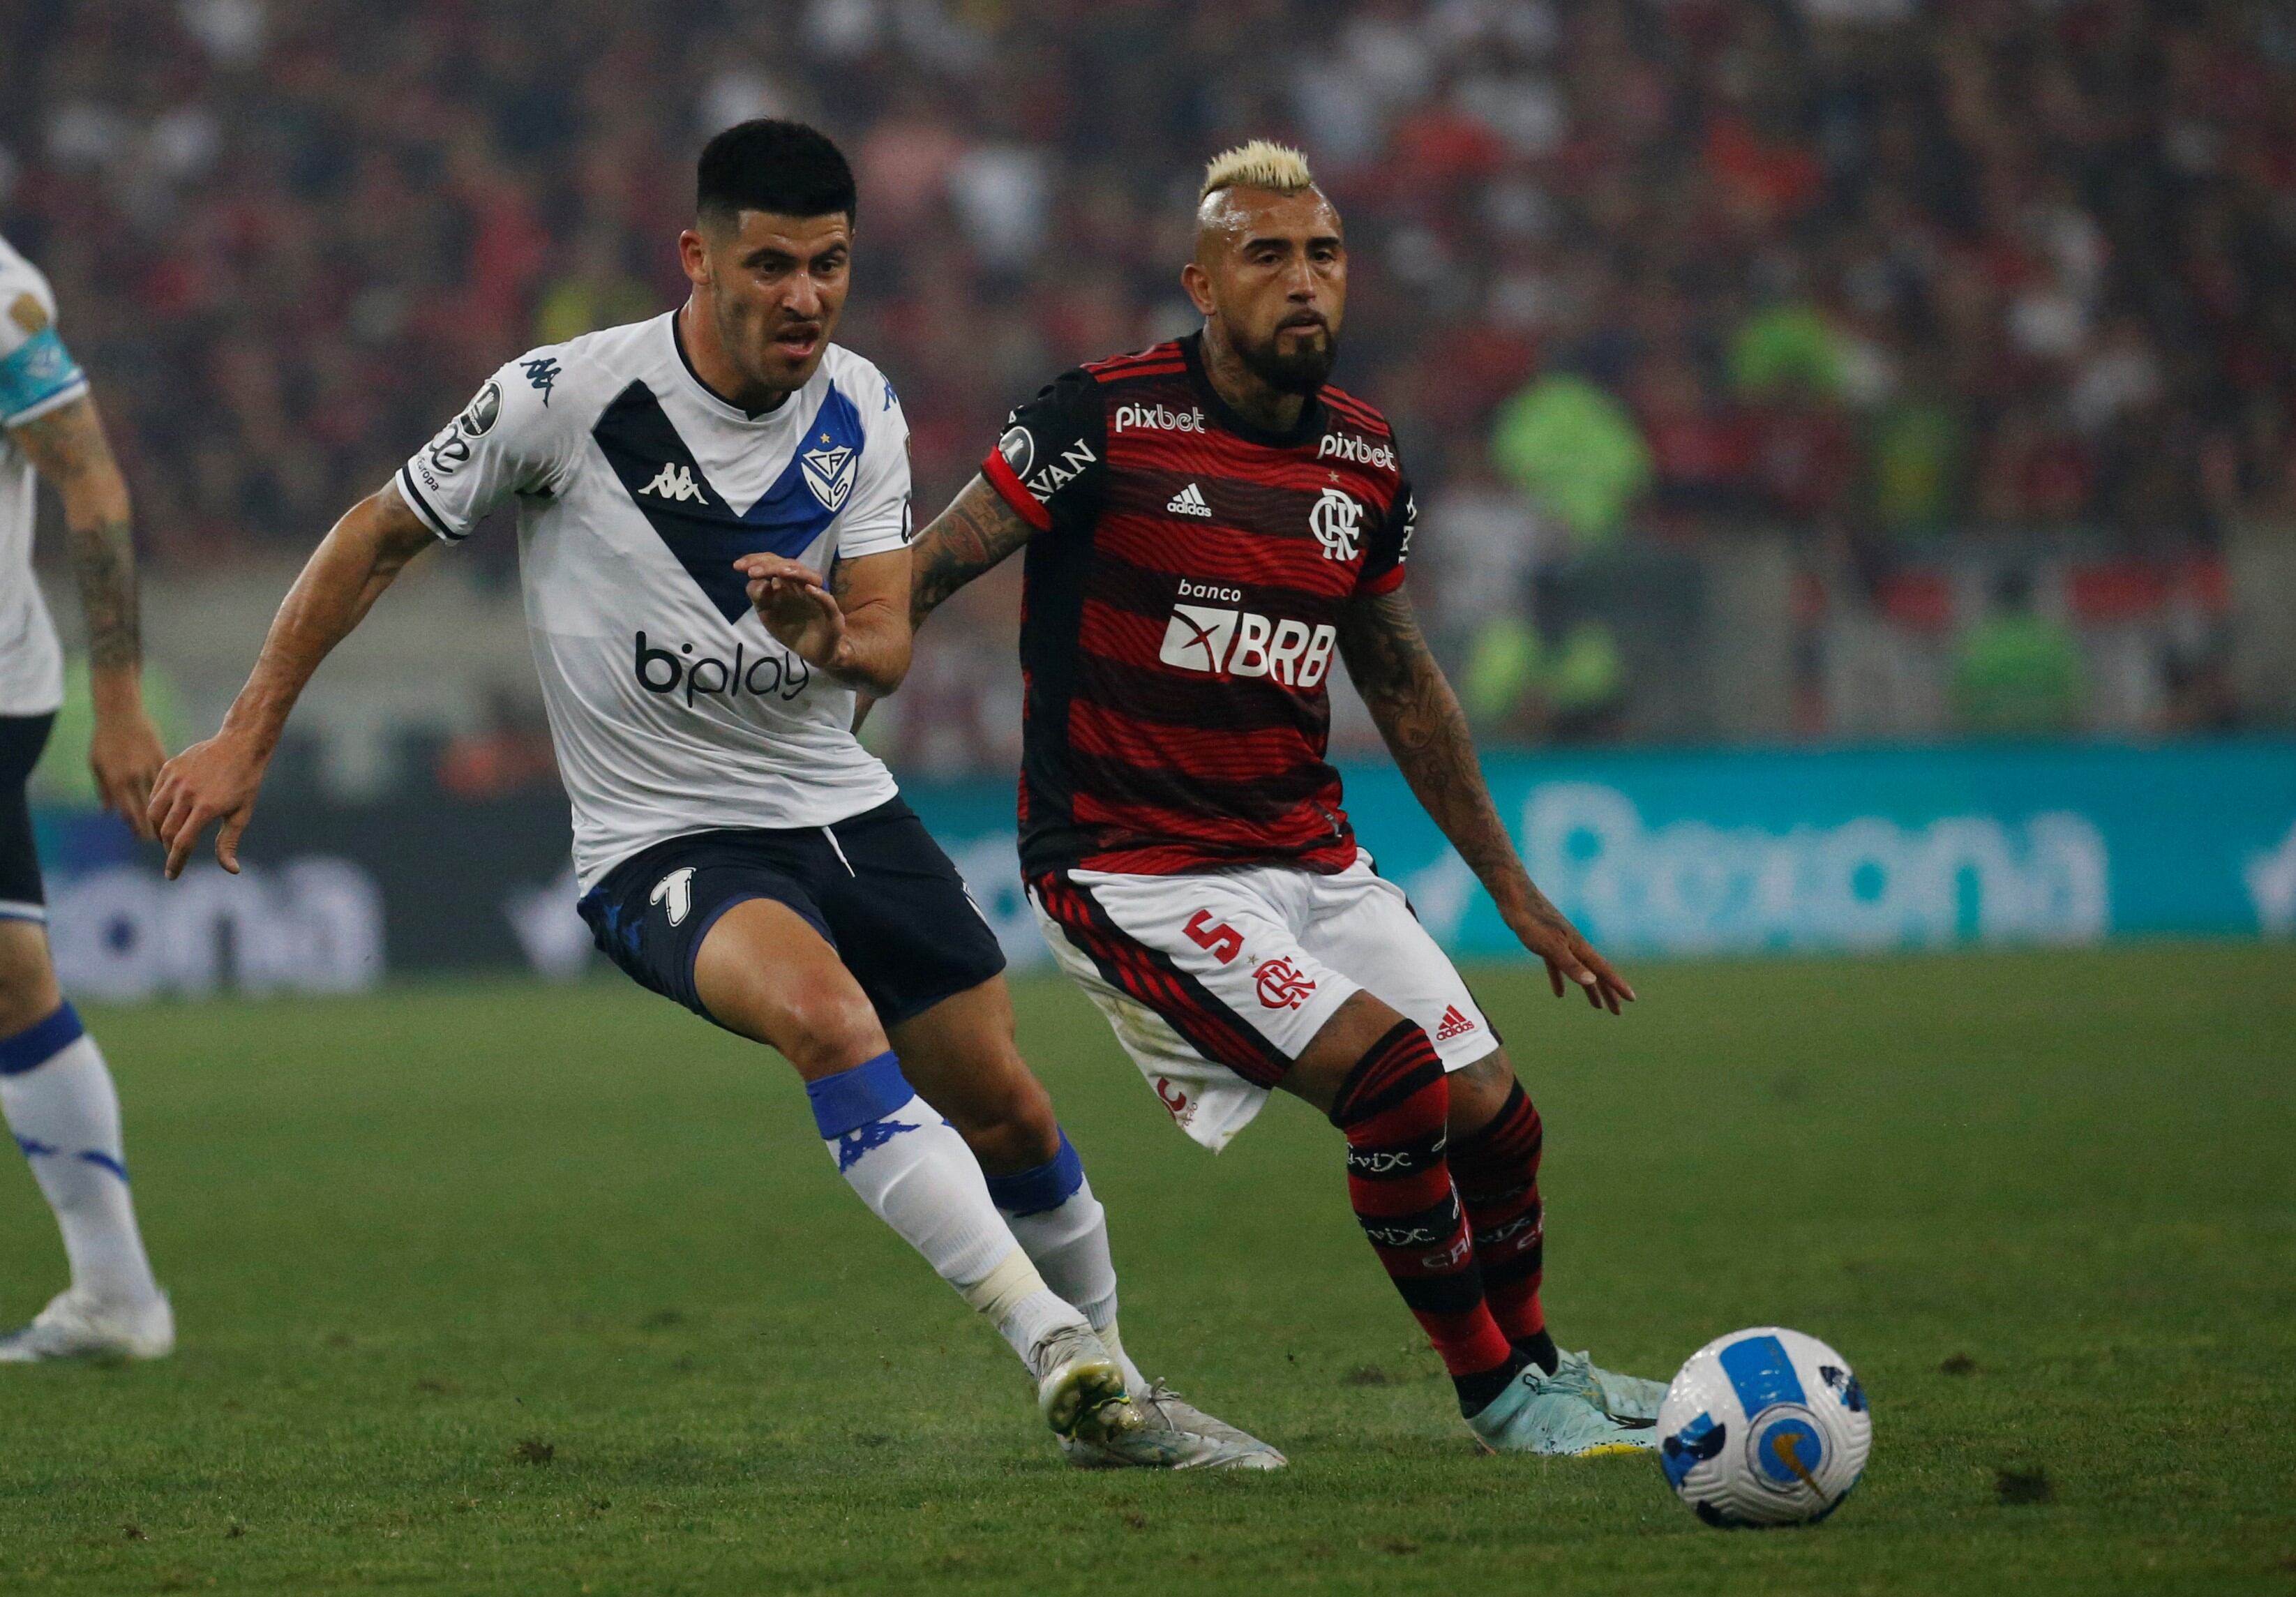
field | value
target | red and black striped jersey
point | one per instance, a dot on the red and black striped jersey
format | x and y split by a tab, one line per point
1181	615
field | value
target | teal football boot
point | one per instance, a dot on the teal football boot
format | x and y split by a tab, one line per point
1559	1415
1625	1398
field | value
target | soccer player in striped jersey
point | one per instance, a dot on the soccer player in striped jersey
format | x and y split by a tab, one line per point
1208	523
54	1086
713	512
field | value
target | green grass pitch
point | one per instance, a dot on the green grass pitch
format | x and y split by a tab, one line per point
500	1288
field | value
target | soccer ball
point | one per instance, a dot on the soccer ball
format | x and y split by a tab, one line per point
1764	1426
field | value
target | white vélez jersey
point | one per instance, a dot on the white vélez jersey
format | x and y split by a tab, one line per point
673	710
37	376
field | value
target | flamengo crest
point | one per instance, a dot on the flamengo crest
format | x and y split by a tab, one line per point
1335	520
829	472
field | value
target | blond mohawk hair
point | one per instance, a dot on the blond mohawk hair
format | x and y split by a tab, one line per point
1257	165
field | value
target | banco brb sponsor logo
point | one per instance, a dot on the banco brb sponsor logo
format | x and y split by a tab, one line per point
1219	641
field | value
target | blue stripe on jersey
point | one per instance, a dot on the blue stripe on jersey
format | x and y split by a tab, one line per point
37	370
693	519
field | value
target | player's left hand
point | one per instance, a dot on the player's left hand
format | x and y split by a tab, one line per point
124	755
797	607
1548	933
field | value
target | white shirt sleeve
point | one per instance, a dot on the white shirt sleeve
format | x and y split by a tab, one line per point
511	439
877	518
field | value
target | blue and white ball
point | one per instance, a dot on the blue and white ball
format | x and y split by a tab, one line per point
1764	1426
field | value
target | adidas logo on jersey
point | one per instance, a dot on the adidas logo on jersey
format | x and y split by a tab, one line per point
1189	501
1454	1025
674	483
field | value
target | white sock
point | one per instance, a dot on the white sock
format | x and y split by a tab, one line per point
1052	1212
60	1103
915	1173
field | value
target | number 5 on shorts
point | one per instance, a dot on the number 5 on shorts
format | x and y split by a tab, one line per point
1223	942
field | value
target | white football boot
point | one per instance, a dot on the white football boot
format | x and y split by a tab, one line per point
77	1326
1079	1388
1174	1434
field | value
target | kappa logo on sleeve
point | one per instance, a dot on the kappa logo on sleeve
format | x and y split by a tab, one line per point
541	375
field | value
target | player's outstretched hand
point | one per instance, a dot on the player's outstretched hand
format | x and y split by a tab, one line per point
126	755
214	780
1548	933
796	606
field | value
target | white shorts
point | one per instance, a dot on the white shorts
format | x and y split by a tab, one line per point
1217	982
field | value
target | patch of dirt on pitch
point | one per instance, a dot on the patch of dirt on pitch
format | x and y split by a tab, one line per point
2021	1487
534	1450
1959	1364
1366	1375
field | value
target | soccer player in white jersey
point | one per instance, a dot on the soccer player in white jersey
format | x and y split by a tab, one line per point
53	1085
713	514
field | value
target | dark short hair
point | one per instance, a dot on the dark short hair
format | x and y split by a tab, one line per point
783	167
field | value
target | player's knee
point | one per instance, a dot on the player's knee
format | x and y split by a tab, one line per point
826	1033
1011	1126
1396	1088
1480	1091
1338	1050
28	993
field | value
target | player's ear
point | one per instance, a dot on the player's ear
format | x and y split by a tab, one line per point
694	255
1198	283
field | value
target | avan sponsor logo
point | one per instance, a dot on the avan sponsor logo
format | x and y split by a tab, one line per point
1155	418
1019	449
775	674
1347	447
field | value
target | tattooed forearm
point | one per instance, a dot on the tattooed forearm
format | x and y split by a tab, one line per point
68	448
1420	718
103	563
976	531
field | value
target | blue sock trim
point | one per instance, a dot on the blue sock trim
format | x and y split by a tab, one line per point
40	1042
851	1098
104	1161
1046	1187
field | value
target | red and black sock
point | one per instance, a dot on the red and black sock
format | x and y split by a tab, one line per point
1496	1169
1393	1108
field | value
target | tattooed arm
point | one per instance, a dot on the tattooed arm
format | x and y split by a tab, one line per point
1420	718
68	448
975	532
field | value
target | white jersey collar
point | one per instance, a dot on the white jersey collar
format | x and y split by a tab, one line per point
717	405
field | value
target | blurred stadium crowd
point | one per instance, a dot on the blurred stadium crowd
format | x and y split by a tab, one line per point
1906	279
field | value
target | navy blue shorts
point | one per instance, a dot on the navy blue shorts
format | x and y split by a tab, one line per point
877	887
21	739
